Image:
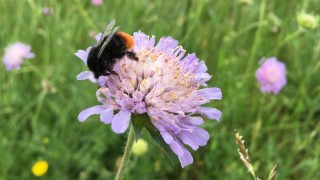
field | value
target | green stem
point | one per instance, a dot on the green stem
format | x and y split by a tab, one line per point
35	118
126	155
254	177
287	39
257	38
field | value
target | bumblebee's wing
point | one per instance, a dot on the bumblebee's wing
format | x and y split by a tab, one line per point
107	31
110	35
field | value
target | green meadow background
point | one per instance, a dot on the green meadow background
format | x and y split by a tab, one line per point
39	103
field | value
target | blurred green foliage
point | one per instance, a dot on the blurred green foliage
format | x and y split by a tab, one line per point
38	123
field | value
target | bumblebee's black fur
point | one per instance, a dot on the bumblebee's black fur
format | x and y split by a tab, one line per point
114	50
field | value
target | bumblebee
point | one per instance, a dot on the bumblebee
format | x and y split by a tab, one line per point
111	47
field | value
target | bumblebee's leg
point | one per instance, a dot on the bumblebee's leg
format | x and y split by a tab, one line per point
112	72
132	55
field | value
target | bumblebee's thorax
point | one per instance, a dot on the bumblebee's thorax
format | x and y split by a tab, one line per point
104	64
116	48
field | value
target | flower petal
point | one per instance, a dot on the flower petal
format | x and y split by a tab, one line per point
84	75
201	78
186	158
211	113
167	137
211	93
87	75
201	67
102	80
90	111
176	148
98	37
193	120
120	121
194	138
83	55
107	116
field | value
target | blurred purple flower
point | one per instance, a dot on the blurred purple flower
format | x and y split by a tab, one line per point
271	75
97	2
47	10
164	83
15	55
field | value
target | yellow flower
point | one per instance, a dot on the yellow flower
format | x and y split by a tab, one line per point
40	168
140	147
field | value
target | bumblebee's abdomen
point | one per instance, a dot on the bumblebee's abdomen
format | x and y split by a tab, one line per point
103	65
128	39
115	46
92	61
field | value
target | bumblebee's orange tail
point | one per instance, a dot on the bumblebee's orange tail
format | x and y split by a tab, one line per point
128	38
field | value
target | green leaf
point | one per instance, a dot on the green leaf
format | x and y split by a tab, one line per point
155	134
143	121
138	122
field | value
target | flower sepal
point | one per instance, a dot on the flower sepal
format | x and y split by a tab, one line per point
141	121
138	123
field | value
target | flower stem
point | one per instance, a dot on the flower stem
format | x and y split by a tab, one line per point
126	155
257	39
287	39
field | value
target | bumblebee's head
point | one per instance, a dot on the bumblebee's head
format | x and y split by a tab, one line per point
129	41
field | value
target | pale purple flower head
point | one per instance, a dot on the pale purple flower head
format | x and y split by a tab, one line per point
15	54
47	10
97	2
271	75
167	84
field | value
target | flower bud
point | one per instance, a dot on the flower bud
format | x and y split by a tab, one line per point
140	147
308	21
246	2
